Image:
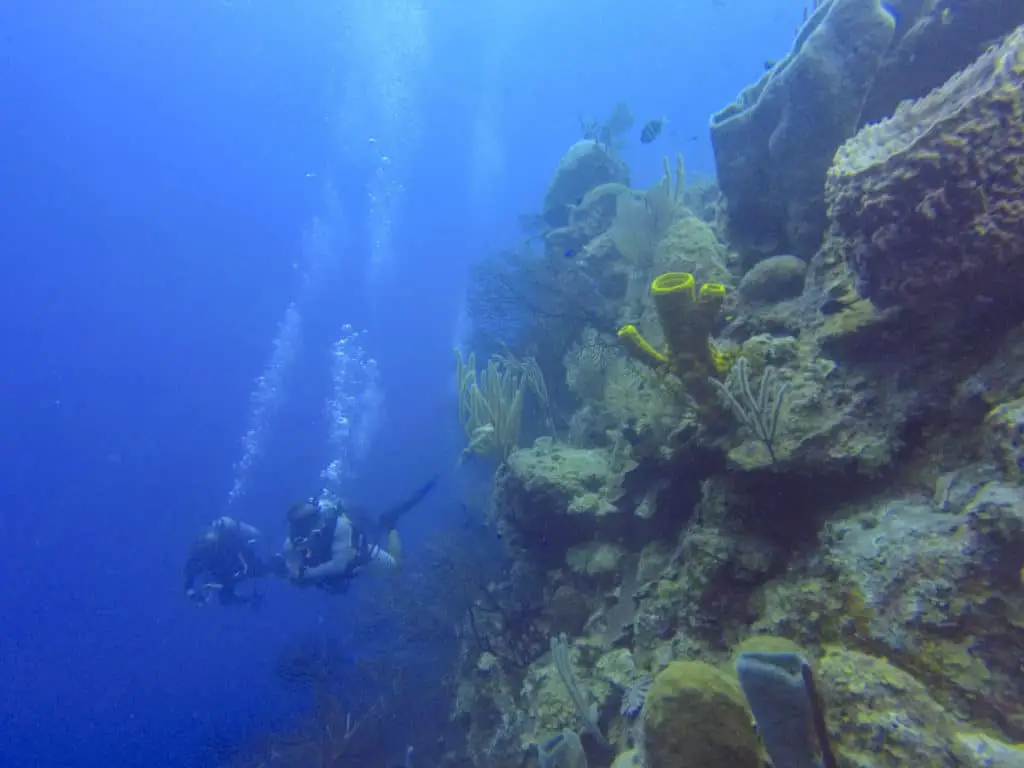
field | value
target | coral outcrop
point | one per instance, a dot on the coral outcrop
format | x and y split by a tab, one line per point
587	165
568	498
696	716
774	145
773	280
852	62
929	204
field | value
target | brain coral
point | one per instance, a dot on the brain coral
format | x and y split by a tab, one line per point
928	206
696	717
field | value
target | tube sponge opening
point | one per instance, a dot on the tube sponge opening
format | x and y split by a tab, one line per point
675	282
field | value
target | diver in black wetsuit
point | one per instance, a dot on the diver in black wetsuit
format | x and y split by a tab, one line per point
223	557
328	546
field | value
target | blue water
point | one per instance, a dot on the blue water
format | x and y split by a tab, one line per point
162	165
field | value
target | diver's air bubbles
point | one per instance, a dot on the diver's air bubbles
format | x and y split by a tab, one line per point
266	397
353	408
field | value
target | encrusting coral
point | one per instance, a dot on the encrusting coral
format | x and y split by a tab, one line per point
927	204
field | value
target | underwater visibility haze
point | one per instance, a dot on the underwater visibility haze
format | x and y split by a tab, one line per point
545	383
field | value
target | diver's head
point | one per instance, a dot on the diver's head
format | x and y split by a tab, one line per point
303	520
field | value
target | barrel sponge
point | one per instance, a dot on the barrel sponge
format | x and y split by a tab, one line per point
774	144
695	716
927	206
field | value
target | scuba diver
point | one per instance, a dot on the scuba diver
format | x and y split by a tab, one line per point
327	545
223	557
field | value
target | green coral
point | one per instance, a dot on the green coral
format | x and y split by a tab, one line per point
695	716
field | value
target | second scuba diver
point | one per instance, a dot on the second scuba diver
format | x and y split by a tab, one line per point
328	546
223	557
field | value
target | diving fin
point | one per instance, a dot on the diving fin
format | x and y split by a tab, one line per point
395	547
389	520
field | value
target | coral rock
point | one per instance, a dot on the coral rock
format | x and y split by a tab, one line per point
695	717
878	715
552	498
774	279
1005	436
928	204
939	592
586	165
773	147
850	64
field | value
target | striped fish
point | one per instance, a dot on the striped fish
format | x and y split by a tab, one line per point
651	130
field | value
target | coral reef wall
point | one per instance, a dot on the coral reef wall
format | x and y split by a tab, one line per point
819	457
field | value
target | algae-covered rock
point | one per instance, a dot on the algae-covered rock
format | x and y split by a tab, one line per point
690	245
553	498
587	164
880	716
696	717
774	279
628	759
939	593
486	706
983	751
1004	431
595	558
567	611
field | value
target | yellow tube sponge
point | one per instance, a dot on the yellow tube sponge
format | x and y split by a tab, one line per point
687	318
675	298
640	349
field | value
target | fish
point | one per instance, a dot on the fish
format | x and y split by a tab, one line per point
769	64
651	130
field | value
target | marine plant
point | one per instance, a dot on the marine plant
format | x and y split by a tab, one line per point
532	378
563	664
758	412
505	621
535	304
490	406
643	217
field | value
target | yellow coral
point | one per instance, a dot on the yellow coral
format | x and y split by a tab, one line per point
687	316
640	349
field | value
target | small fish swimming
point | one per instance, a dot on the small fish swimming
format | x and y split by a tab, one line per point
651	130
